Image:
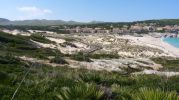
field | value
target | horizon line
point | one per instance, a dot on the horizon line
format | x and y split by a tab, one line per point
93	20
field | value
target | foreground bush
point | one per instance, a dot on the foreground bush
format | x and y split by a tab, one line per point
81	92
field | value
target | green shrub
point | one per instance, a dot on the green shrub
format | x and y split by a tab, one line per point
58	60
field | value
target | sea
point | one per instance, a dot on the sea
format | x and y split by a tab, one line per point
172	41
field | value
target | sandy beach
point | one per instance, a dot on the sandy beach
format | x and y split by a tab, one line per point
158	43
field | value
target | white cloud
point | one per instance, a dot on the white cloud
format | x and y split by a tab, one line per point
34	11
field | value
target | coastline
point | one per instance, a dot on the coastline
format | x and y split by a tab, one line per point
172	41
170	48
158	43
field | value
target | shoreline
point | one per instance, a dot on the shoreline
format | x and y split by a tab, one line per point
158	43
170	43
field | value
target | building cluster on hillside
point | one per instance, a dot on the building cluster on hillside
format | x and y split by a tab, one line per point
137	28
88	30
125	29
40	31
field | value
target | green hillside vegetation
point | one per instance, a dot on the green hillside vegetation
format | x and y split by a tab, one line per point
87	57
168	63
59	29
22	46
63	83
164	22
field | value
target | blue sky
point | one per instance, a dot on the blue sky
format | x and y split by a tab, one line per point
89	10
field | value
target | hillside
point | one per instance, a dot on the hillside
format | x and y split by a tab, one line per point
44	22
42	81
36	22
162	21
3	20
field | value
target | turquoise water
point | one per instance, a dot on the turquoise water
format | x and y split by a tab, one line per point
172	41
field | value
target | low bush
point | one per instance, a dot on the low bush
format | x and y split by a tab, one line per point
102	56
58	60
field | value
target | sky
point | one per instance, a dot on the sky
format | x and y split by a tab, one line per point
89	10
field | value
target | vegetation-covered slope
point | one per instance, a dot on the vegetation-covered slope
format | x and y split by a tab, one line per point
43	82
22	46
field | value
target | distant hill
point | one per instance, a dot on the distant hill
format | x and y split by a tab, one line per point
162	21
3	20
44	22
36	22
